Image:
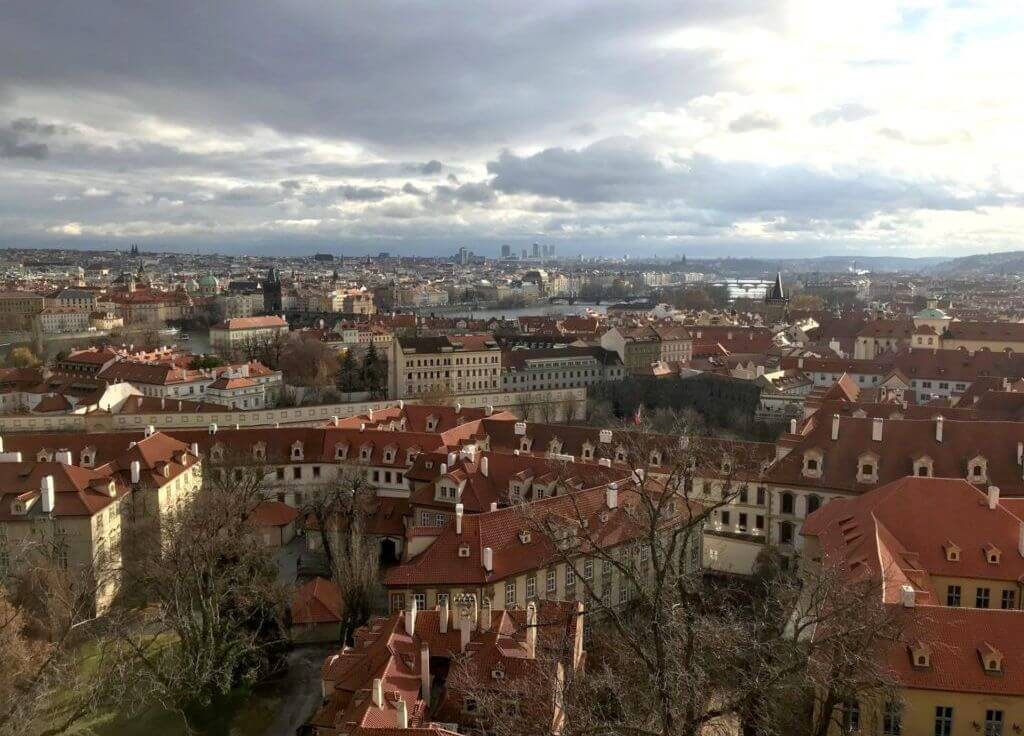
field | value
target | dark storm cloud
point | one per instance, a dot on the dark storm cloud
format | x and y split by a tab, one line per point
16	139
620	170
389	73
363	194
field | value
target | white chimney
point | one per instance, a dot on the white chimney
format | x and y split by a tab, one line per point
485	615
1020	452
458	408
908	598
378	692
488	410
605	435
213	428
938	429
136	469
443	468
452	457
792	426
63	457
410	619
459	511
1	444
425	672
876	429
1020	539
46	494
993	496
465	626
483	466
520	428
402	714
442	619
835	427
611	495
799	362
494	505
334	420
150	429
195	449
488	559
531	630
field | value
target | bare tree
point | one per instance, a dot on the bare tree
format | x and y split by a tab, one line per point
340	511
213	619
674	652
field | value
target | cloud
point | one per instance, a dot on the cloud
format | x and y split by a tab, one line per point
754	121
363	194
430	167
850	112
14	145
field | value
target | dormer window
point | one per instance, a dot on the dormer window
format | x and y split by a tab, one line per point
431	423
411	454
588	451
620	454
463	550
389	454
364	452
259	451
44	456
867	468
297	451
555	446
920	655
217	453
340	451
923	467
525	444
813	462
88	457
524	536
992	554
977	470
655	458
952	551
991	659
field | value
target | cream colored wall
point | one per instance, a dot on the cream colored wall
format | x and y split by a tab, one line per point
919	713
969	587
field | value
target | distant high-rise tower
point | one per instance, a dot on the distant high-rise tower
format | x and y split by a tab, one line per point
536	250
506	251
272	292
463	256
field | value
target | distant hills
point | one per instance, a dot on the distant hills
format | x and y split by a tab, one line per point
1009	262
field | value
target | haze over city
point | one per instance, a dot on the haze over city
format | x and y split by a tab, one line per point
774	128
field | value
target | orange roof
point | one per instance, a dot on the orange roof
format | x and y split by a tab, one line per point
317	602
272	513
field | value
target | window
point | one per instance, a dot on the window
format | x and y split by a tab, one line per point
420	599
725	518
316	471
952	595
892	720
1009	601
280	473
993	723
759	521
981	598
760	496
943	720
297	473
787	503
588	569
550	584
570	577
851	717
531	586
743	522
510	594
785	533
397	602
813	504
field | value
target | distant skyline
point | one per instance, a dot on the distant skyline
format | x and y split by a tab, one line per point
761	128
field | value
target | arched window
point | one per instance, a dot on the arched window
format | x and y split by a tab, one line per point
813	504
786	502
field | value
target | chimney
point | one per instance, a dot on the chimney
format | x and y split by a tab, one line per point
792	426
63	457
488	410
136	468
425	672
485	615
1	444
402	714
938	430
488	559
150	429
993	497
799	362
459	511
334	420
458	408
195	449
378	692
835	427
444	468
1020	539
442	619
908	598
531	630
410	619
465	626
452	457
46	493
876	429
611	495
213	428
483	466
494	505
519	428
1020	452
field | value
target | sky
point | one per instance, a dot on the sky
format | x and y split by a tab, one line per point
657	128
